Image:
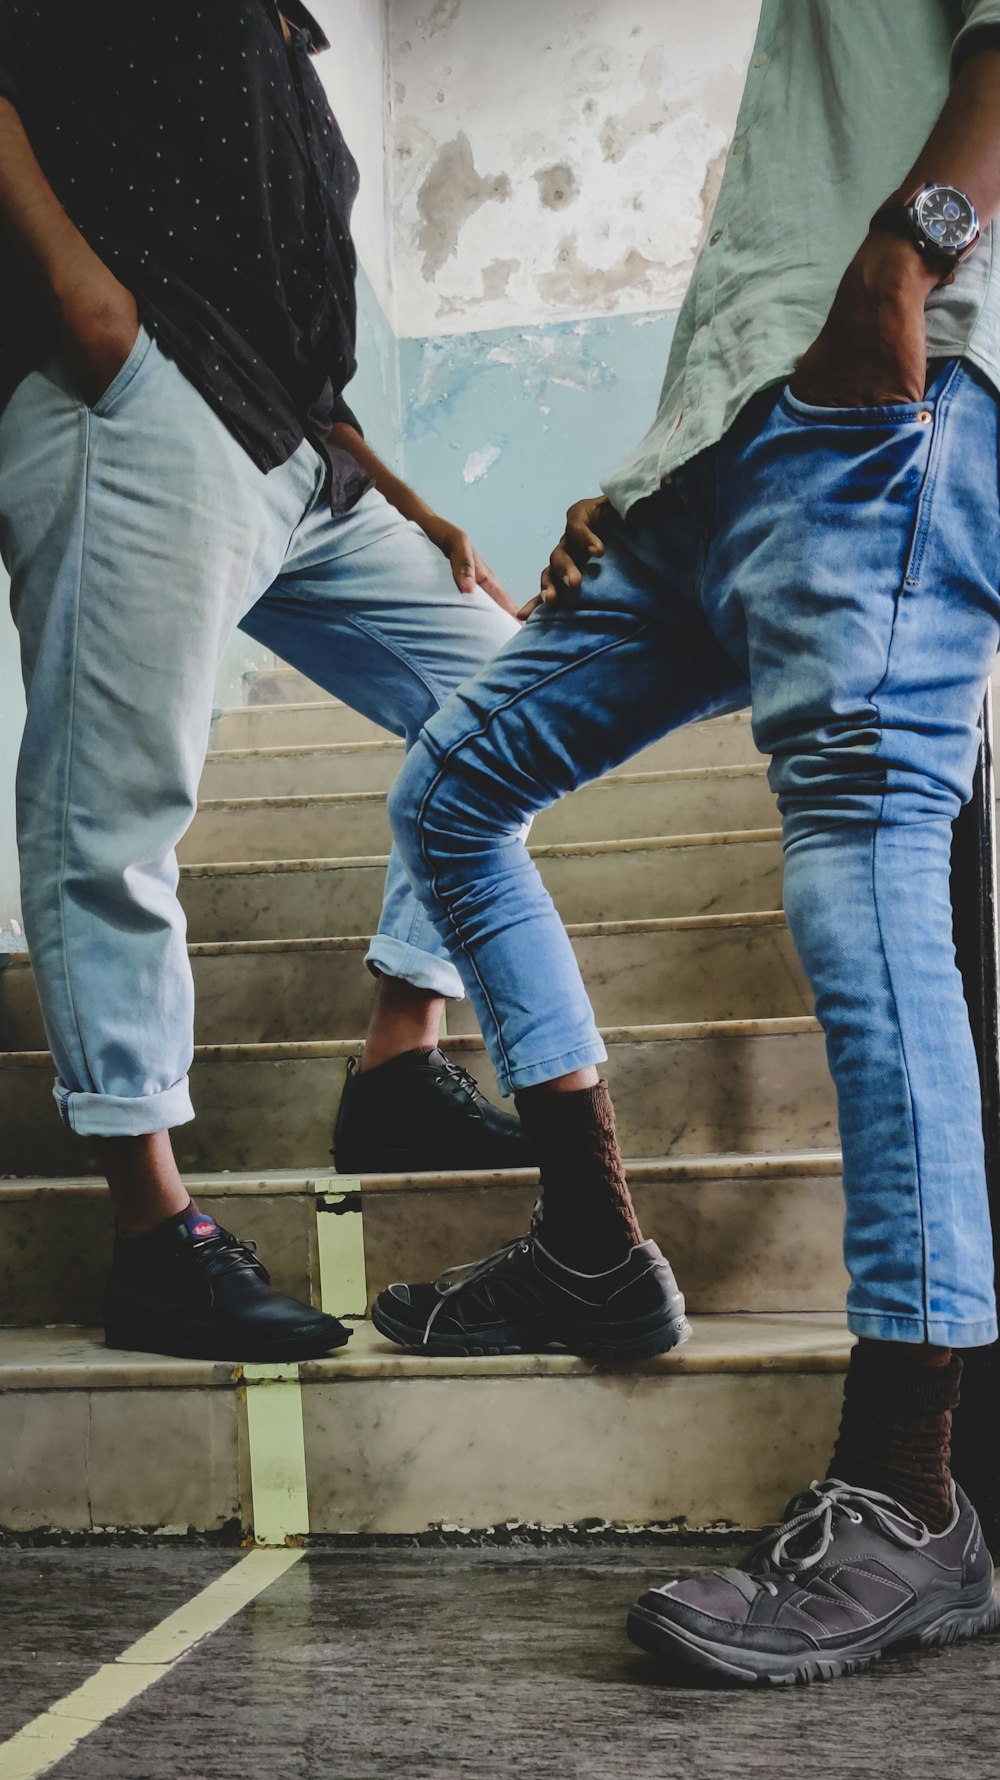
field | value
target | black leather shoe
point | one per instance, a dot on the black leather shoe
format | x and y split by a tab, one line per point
193	1289
847	1576
522	1300
421	1114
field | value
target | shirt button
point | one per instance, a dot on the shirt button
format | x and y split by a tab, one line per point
714	239
738	145
760	58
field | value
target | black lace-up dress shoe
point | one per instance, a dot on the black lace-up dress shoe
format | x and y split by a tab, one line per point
522	1300
847	1576
421	1114
193	1289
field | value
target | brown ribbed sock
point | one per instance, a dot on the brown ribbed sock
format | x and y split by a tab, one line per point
895	1433
588	1219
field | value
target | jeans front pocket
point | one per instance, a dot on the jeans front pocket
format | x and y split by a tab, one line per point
892	415
125	377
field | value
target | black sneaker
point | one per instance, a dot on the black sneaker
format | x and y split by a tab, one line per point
522	1300
846	1577
193	1289
422	1114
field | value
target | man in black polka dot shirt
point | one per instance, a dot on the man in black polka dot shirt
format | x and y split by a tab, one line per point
177	327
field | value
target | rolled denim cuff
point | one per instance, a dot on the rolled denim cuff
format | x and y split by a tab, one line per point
115	1115
388	957
919	1330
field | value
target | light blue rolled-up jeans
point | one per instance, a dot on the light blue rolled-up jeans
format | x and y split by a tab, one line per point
138	534
839	570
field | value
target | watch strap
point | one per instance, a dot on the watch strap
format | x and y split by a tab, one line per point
897	219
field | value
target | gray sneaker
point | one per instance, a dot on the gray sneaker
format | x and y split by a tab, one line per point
847	1576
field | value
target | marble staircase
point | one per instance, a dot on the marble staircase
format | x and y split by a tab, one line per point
669	875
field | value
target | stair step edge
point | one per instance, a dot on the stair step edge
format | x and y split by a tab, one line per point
65	1358
747	1165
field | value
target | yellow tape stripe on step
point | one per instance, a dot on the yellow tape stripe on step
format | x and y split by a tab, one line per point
276	1436
340	1242
51	1736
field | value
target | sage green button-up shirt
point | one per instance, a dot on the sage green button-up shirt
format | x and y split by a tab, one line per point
841	95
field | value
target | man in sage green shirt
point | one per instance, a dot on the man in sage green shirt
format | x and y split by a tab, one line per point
811	526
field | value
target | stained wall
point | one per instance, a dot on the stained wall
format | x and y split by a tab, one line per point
554	170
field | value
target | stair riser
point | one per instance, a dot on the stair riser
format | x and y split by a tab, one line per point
725	741
369	767
770	1246
683	1096
641	884
633	979
381	1452
604	812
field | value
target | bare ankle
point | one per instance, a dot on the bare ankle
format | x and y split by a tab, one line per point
143	1179
403	1019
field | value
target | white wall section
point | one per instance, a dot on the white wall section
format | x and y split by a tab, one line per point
554	160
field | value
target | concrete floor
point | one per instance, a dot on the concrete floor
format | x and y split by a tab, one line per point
433	1665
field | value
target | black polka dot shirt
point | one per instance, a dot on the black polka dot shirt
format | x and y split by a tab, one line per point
196	152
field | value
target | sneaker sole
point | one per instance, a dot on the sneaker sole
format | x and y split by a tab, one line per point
683	1651
254	1352
651	1337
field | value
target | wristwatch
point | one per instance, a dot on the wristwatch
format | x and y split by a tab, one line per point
939	220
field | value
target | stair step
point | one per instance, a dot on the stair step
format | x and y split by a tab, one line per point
308	771
694	1089
640	880
699	800
721	1432
707	967
283	685
276	729
744	1232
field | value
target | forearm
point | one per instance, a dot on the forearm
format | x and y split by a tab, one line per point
963	149
46	245
872	349
397	492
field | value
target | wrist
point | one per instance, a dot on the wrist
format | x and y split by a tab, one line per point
892	270
82	286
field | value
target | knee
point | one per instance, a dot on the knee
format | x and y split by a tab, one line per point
443	808
409	799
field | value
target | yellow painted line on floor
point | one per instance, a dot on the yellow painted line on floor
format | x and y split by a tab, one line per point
277	1454
47	1739
340	1241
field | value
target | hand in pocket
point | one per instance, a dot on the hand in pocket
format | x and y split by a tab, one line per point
99	330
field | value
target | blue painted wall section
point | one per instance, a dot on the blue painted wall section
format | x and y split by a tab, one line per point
502	430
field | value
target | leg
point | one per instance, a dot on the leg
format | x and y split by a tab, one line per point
581	689
135	533
868	672
860	558
368	608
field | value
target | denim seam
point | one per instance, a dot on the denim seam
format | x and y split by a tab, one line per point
911	576
61	879
432	691
915	1137
370	630
922	524
471	735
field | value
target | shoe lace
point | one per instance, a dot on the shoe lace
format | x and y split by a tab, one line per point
222	1253
466	1273
816	1512
464	1080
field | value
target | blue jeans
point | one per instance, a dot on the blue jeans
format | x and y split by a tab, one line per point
839	570
138	534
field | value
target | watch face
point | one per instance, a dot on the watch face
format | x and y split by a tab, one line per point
946	217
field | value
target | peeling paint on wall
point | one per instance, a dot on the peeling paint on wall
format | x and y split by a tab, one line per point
451	192
556	158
